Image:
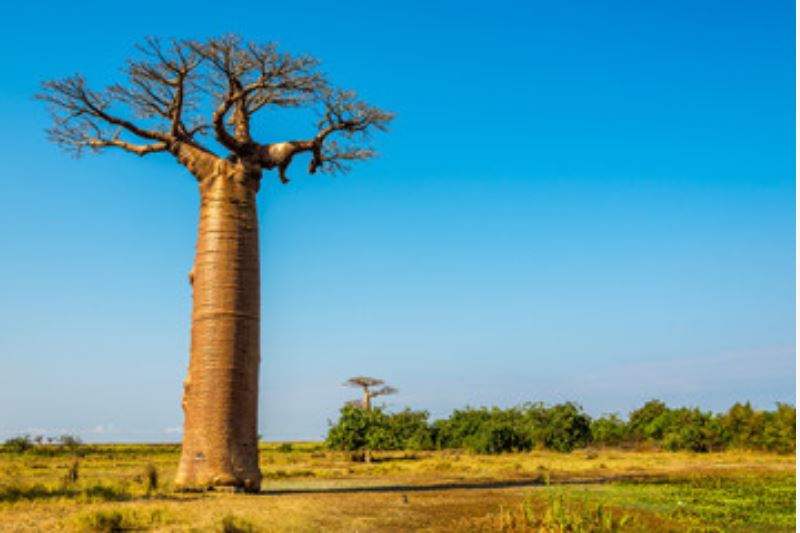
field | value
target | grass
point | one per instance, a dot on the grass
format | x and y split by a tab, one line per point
308	488
742	502
13	493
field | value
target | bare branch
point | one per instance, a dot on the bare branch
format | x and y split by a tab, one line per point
80	135
243	78
158	107
222	81
351	117
158	91
77	110
344	115
137	149
283	80
164	85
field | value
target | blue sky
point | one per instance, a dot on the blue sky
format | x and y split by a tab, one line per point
577	201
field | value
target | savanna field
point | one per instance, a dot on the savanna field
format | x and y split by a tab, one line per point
309	487
542	199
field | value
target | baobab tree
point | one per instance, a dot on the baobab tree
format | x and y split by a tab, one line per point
194	100
366	384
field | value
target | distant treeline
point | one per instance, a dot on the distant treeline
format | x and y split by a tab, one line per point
565	427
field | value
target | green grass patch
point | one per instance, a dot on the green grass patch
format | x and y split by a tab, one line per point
13	492
756	502
115	520
738	502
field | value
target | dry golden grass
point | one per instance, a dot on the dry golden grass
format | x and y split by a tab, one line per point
310	489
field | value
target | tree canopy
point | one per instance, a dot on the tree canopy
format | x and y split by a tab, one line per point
183	95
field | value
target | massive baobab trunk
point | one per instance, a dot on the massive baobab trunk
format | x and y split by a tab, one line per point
220	402
167	89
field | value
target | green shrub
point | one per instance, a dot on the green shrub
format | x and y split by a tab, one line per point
743	427
568	427
497	436
70	443
411	430
18	444
358	430
648	422
462	424
691	430
562	427
422	439
609	430
565	427
780	429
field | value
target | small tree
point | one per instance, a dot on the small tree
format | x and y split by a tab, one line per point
361	431
649	421
780	429
366	384
743	426
568	427
608	430
71	443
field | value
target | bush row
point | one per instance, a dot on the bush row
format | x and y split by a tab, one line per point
55	445
565	427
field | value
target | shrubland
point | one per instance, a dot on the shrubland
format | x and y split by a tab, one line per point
565	427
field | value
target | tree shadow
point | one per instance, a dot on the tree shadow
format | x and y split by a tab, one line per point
538	481
14	493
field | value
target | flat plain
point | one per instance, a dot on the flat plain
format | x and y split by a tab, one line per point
309	488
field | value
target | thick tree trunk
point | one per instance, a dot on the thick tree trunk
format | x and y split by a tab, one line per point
220	398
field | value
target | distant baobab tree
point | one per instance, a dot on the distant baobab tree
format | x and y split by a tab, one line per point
178	96
366	384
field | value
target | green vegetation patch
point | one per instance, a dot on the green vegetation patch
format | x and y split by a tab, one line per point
127	519
565	427
14	492
741	502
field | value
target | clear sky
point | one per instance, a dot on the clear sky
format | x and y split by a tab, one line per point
588	201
